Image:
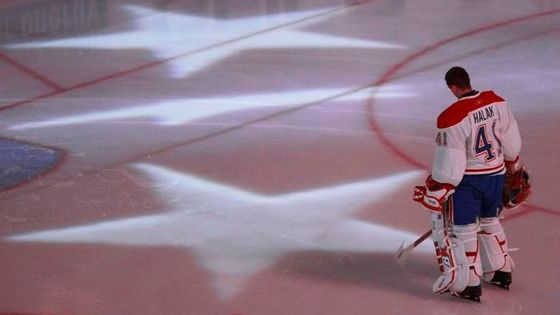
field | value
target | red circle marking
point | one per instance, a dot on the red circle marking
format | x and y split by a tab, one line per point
389	75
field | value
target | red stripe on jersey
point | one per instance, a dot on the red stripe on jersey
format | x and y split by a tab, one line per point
455	113
485	170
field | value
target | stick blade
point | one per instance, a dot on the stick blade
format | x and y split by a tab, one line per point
402	251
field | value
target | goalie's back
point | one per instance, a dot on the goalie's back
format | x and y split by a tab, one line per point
475	135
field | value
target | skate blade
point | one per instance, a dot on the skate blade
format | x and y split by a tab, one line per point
468	298
504	286
473	298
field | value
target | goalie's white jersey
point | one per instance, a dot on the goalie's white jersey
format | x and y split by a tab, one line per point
475	135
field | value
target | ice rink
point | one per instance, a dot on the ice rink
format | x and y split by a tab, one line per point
257	157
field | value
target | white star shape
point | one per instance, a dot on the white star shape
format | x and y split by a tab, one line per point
180	111
169	34
236	233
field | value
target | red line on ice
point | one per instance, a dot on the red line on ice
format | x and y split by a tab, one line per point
390	74
60	90
30	72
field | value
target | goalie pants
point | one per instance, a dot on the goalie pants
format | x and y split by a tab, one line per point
477	196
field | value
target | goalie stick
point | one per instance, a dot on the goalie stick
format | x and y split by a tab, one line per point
404	251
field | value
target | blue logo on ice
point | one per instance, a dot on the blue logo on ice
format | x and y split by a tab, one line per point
21	162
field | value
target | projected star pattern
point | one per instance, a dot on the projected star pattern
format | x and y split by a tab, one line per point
238	233
243	163
190	33
181	111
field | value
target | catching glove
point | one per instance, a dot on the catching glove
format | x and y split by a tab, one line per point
516	186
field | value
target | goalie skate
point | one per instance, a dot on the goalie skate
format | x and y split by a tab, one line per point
497	264
500	278
471	293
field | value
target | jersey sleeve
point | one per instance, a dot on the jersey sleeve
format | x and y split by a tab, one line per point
450	157
511	138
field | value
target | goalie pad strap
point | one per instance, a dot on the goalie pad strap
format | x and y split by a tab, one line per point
439	234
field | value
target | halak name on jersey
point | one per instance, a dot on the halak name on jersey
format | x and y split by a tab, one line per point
483	114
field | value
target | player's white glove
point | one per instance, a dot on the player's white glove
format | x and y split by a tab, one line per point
433	195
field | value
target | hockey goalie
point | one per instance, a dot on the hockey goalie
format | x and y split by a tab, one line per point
475	173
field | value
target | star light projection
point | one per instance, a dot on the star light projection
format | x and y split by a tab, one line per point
236	233
233	233
180	111
168	34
